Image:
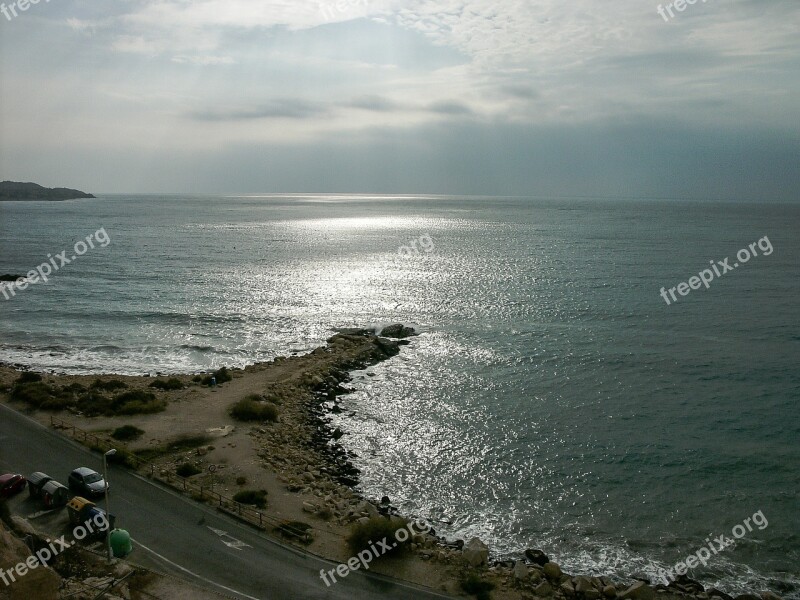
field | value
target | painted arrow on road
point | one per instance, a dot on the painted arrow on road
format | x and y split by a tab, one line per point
231	542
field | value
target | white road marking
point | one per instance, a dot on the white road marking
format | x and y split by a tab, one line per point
233	543
185	570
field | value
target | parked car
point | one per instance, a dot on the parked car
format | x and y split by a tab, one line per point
11	485
85	481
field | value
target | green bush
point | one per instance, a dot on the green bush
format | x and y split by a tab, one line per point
252	408
257	498
187	470
127	433
173	383
222	375
33	393
475	586
377	528
241	481
137	402
28	377
109	386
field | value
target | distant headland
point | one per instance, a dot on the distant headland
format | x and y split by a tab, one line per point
13	190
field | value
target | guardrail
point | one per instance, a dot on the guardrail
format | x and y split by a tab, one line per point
199	492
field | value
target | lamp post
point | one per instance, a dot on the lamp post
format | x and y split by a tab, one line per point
111	452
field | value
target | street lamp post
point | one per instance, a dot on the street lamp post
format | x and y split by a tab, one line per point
111	452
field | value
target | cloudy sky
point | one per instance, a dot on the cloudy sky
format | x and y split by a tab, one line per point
518	97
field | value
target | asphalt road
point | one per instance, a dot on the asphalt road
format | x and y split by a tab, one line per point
173	534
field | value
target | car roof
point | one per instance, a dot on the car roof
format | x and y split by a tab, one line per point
84	471
8	477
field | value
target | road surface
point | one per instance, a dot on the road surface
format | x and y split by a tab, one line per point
178	536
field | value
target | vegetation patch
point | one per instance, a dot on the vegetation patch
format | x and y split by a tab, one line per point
252	408
28	377
377	528
173	383
475	586
111	385
257	498
221	376
127	433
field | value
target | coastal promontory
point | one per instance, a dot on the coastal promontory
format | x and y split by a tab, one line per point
13	190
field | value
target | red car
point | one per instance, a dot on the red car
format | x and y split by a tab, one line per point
11	485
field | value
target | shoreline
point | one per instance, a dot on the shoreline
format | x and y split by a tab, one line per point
309	476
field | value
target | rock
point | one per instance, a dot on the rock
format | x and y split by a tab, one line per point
309	508
22	526
567	589
638	591
476	553
537	557
748	597
369	508
583	584
770	596
592	594
398	331
309	477
719	594
521	570
363	521
610	591
552	571
543	590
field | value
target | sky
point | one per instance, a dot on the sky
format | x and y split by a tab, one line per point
518	98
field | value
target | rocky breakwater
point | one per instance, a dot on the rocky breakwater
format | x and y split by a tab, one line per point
302	447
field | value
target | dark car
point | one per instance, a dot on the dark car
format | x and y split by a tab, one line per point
87	482
11	484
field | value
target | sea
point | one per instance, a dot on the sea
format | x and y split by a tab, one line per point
554	399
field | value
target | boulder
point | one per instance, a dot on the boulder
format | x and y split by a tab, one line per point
543	590
770	596
398	331
591	594
609	591
748	597
583	584
638	591
537	557
719	594
567	589
476	553
552	571
521	570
